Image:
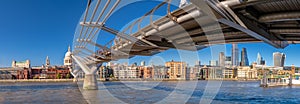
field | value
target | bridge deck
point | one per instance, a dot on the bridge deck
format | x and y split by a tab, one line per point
188	33
276	22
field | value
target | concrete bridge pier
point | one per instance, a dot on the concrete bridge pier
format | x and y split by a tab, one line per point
90	81
75	80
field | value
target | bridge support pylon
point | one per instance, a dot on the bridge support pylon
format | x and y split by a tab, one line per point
75	80
74	74
90	80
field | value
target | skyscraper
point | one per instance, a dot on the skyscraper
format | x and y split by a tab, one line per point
260	60
278	59
263	62
235	55
198	63
222	59
244	58
228	62
143	63
213	63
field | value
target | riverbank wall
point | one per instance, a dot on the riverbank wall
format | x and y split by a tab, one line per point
36	80
113	80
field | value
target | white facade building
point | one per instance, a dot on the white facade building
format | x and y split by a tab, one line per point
126	72
21	64
246	73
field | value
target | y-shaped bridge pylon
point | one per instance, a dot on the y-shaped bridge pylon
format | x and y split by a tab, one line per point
89	61
93	20
146	41
90	80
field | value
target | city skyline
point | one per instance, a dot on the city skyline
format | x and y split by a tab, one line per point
47	29
251	53
149	51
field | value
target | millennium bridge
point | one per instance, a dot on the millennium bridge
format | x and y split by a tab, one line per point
194	25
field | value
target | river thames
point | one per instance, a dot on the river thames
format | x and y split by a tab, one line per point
145	92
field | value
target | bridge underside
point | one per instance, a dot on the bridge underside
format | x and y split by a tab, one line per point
196	26
275	22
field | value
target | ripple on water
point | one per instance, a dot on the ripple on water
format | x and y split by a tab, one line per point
230	92
1	99
38	93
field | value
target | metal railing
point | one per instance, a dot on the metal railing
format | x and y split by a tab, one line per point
90	28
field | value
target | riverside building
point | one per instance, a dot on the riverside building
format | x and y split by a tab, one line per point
177	70
21	64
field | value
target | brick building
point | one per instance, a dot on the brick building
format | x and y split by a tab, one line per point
148	72
55	72
24	74
177	70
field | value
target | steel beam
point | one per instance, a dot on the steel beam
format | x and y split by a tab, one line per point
107	49
252	2
256	32
126	36
122	35
279	17
81	64
90	82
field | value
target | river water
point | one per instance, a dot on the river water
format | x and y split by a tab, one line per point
40	93
148	92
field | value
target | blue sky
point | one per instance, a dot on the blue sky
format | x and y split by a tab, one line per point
34	29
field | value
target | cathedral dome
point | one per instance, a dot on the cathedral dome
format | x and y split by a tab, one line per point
69	53
68	58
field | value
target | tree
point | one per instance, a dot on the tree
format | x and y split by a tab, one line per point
68	76
58	76
35	77
111	76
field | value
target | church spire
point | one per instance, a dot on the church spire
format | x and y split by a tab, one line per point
69	49
47	61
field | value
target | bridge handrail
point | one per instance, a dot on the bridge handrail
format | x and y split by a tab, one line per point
138	21
150	13
84	38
